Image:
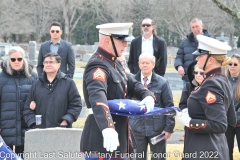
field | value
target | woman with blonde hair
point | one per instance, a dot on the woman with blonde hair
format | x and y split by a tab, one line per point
16	80
210	107
233	74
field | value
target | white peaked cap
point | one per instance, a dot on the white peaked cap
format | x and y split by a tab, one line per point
115	28
209	45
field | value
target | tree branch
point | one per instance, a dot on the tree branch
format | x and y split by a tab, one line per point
227	9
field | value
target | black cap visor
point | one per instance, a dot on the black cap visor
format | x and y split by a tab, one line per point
120	37
199	52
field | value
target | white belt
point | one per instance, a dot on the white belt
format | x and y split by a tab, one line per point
90	111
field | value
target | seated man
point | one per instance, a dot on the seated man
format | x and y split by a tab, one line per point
144	128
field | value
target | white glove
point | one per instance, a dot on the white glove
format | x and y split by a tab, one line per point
148	102
110	139
183	117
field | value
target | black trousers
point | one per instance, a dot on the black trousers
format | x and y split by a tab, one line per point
18	150
157	151
230	134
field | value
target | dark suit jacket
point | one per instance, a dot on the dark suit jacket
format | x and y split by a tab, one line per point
160	52
66	53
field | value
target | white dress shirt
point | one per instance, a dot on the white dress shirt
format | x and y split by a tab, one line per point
147	45
149	78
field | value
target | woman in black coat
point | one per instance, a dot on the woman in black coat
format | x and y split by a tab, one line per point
195	77
16	80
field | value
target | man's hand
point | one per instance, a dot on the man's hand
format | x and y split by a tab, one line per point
181	71
110	139
167	135
32	105
64	123
148	102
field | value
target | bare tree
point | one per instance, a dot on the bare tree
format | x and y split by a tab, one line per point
36	16
178	15
231	7
74	10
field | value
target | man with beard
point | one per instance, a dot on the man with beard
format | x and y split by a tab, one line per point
149	42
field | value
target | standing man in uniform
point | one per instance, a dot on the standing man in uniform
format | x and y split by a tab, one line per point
210	106
145	128
184	54
104	79
150	43
59	46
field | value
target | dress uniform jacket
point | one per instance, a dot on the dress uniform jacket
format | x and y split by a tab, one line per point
211	110
104	79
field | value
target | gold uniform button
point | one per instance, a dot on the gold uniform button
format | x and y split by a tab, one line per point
197	125
202	124
191	125
110	124
113	58
114	122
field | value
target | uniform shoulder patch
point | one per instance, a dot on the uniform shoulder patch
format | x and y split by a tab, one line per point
99	74
210	97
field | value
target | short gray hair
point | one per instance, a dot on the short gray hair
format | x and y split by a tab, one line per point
194	20
147	55
9	69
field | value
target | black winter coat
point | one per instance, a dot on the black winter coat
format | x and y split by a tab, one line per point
13	94
62	102
184	54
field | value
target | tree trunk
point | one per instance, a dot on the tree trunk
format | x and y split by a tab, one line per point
66	20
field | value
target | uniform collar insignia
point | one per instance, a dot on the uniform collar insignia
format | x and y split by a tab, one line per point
106	54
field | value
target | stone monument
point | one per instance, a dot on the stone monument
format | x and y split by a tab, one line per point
32	52
53	143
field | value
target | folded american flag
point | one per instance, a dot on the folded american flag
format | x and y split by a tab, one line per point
128	107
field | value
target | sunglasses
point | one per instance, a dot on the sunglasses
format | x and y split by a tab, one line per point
235	64
144	25
57	31
196	73
18	59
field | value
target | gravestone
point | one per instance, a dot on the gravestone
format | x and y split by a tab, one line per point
222	38
235	40
174	80
53	143
32	52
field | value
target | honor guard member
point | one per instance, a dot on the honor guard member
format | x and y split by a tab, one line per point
210	107
104	79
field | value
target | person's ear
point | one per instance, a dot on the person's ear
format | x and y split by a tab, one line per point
107	40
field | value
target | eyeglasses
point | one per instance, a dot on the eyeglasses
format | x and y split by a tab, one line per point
57	31
196	73
235	64
144	25
49	62
18	59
